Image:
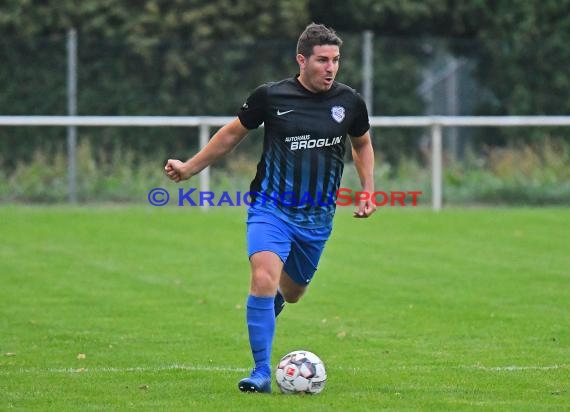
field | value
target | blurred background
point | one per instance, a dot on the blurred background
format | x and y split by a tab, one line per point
204	57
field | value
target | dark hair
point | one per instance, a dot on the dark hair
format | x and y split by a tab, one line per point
316	35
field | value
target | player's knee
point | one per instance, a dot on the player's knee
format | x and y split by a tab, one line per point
263	281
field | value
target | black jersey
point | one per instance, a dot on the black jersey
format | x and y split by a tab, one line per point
300	169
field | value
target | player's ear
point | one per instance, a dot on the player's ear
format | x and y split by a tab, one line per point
301	60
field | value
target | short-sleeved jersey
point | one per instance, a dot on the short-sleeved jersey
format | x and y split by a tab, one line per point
304	144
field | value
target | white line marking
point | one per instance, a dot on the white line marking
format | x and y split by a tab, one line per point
510	368
192	368
205	368
514	368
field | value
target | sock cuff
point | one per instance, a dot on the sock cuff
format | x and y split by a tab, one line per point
260	302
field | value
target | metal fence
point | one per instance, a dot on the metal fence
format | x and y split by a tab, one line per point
204	123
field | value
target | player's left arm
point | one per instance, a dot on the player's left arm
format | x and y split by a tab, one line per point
363	156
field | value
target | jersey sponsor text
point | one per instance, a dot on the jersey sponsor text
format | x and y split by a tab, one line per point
312	143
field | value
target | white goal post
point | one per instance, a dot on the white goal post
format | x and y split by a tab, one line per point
204	123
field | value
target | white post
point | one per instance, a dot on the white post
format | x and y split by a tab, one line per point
436	167
204	174
72	111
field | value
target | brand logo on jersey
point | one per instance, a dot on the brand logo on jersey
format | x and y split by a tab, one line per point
337	113
280	113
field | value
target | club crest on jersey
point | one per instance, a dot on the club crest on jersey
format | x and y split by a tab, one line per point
337	113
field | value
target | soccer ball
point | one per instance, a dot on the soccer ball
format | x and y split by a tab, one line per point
301	371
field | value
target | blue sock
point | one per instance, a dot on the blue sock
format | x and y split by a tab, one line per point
261	327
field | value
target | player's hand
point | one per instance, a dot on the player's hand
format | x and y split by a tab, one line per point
365	209
176	170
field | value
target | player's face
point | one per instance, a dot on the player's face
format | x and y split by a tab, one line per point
317	72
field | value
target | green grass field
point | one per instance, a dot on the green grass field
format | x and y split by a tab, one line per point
142	308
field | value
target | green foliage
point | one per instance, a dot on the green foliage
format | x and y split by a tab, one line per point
203	57
520	47
144	22
524	47
118	176
152	58
536	174
529	174
383	17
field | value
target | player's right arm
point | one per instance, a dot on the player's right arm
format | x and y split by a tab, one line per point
223	142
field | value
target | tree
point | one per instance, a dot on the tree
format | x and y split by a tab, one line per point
158	57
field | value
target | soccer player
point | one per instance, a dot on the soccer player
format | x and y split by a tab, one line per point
307	119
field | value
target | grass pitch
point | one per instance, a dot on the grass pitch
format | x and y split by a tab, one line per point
142	308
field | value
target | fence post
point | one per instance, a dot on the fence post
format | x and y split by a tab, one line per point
367	73
72	111
204	174
452	103
436	167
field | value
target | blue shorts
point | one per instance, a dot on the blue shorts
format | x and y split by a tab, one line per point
299	248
